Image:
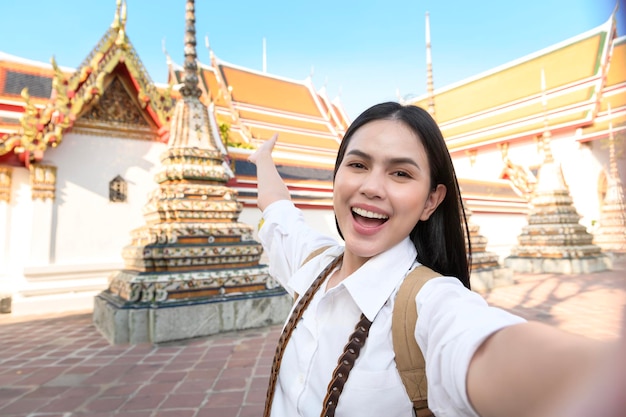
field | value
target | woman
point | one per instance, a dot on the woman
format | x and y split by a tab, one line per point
397	205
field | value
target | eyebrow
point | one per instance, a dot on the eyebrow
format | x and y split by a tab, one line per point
393	161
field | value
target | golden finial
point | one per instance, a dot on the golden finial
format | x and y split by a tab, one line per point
116	18
123	17
121	26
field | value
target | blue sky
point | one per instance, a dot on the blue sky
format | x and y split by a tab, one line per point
365	51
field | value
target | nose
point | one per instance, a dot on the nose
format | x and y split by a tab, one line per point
373	185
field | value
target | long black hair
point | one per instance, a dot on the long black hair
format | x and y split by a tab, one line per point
441	241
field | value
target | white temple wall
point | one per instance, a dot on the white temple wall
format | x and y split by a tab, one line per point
69	246
501	230
18	229
90	228
582	166
581	171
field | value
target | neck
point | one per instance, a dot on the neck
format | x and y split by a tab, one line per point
348	266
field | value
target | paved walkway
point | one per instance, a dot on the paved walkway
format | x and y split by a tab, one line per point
62	367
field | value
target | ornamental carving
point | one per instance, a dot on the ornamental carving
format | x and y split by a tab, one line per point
43	180
5	184
116	106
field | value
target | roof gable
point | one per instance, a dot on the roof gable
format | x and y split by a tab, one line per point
43	124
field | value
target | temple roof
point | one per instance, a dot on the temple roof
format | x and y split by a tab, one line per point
255	105
505	103
54	99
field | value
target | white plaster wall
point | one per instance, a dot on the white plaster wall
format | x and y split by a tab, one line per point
87	228
19	229
501	230
581	164
581	170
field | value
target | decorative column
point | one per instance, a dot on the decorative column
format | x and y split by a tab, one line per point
43	188
5	199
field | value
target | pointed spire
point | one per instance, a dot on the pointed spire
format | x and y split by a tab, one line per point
429	71
168	59
190	79
612	160
119	22
545	138
264	56
116	18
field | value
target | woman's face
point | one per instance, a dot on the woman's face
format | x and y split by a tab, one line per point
382	187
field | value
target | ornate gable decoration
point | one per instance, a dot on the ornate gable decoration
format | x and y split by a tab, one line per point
115	106
72	96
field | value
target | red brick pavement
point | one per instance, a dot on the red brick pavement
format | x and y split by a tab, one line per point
62	367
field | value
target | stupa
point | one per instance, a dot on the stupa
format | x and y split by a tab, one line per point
192	269
611	232
554	241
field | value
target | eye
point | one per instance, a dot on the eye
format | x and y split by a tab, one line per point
403	174
357	165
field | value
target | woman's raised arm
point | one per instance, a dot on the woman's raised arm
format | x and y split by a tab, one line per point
270	185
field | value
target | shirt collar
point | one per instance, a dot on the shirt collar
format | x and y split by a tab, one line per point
371	285
305	276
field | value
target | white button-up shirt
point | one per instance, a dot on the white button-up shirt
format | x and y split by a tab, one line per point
452	323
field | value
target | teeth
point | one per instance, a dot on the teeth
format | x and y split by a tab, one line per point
369	214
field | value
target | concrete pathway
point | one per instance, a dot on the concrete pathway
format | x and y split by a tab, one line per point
61	366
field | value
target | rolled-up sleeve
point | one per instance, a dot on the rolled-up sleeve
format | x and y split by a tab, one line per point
288	240
452	324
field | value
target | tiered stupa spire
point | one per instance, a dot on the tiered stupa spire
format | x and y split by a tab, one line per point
611	233
429	71
486	271
192	248
553	240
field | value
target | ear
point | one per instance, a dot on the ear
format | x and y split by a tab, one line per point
434	199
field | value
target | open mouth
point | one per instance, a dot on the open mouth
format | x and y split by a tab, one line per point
368	218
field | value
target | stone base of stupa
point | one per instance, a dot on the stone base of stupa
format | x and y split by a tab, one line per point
559	265
5	303
489	278
122	322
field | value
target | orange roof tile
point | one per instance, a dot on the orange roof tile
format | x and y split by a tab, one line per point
283	120
270	92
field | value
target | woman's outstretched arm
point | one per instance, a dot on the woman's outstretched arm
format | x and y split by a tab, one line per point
528	369
270	185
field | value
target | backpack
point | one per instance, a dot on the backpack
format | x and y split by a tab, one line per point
409	359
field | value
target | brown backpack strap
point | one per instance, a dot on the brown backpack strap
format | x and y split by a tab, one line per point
312	255
409	359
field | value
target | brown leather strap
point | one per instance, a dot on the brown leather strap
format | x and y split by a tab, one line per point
344	366
409	359
302	304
